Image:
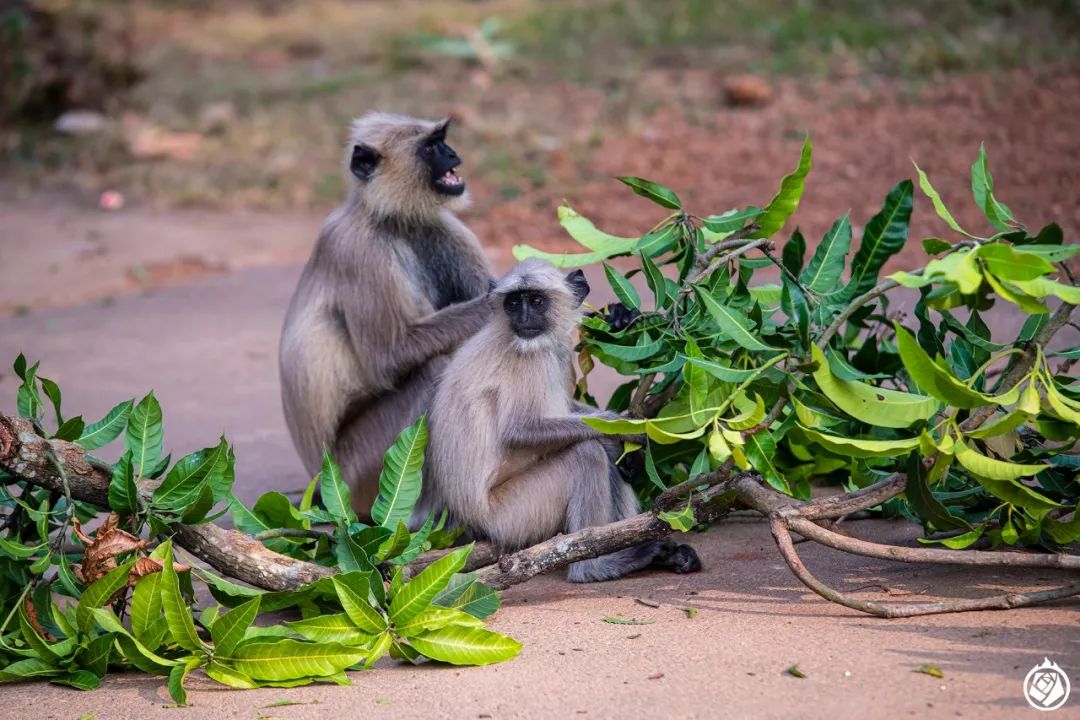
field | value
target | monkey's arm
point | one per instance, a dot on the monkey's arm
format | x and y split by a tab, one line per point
551	433
436	334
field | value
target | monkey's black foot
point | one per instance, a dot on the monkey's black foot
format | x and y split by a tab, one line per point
678	558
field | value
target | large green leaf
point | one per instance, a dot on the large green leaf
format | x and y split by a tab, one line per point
730	221
459	645
883	237
934	515
191	473
933	378
861	447
99	593
939	205
228	630
293	659
332	628
415	596
401	477
363	615
822	275
25	669
177	612
177	677
436	617
982	189
108	428
623	289
145	603
468	594
123	492
873	405
732	322
992	469
659	194
760	450
335	493
786	201
145	434
1008	263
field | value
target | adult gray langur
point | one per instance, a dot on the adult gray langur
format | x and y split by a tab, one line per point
395	283
508	454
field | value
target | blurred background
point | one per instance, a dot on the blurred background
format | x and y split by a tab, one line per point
240	106
165	164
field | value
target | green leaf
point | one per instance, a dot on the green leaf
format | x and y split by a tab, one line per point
631	353
193	475
95	656
228	630
19	551
460	645
733	323
822	275
982	189
401	477
1053	253
985	467
123	492
683	520
656	280
933	378
627	293
861	447
332	628
959	268
1041	287
137	654
731	221
396	544
24	669
931	670
933	245
884	236
289	659
1008	263
70	430
437	617
229	677
52	391
78	679
35	641
178	675
365	617
466	593
28	400
417	594
793	304
351	556
784	204
588	236
794	253
931	511
145	433
145	603
657	193
873	405
939	206
108	428
99	593
177	613
760	450
335	493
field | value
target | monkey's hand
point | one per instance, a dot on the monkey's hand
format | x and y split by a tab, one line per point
617	315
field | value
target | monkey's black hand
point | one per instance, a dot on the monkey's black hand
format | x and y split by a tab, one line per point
617	315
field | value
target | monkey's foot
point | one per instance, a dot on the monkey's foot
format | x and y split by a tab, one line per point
677	558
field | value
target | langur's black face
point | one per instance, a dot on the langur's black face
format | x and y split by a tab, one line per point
441	159
527	312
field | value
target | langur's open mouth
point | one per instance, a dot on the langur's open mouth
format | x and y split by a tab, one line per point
450	182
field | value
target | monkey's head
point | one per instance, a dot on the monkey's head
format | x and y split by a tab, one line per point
538	304
404	166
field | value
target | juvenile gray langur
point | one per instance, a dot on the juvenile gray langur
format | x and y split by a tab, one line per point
508	456
395	283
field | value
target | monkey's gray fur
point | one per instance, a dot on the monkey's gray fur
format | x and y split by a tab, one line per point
507	455
395	283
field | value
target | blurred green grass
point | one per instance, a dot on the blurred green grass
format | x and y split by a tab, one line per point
293	73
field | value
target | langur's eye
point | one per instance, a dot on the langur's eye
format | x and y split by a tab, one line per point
513	304
536	300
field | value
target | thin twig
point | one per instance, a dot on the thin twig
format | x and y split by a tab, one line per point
290	533
735	239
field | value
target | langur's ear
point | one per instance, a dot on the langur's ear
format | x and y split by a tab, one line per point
364	161
579	286
439	134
